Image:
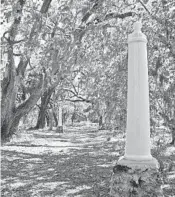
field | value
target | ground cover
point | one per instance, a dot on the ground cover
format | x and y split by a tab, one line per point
78	162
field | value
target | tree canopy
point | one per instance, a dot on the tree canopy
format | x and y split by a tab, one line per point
76	51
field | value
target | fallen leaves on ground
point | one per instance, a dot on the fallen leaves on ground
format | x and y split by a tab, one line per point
77	163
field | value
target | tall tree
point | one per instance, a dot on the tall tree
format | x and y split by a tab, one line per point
11	113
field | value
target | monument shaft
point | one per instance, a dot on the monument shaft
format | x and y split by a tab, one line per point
137	174
60	122
138	120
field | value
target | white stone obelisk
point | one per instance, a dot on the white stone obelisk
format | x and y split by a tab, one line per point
136	174
138	119
60	121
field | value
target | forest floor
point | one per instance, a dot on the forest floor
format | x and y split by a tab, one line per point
78	162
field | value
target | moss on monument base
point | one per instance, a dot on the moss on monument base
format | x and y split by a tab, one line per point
135	181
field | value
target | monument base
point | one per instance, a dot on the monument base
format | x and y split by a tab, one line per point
59	129
136	178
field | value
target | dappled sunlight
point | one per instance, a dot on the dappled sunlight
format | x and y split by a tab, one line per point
34	159
105	165
172	176
49	185
77	189
77	78
160	137
69	164
23	149
19	184
170	151
60	164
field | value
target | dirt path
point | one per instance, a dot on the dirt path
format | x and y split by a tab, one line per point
43	163
77	163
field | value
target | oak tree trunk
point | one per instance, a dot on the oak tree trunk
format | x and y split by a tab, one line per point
43	109
50	119
10	113
55	119
10	119
47	119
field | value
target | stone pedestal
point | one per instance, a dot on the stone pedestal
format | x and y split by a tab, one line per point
139	179
60	121
137	173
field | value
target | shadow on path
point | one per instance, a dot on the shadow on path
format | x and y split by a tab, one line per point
75	163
